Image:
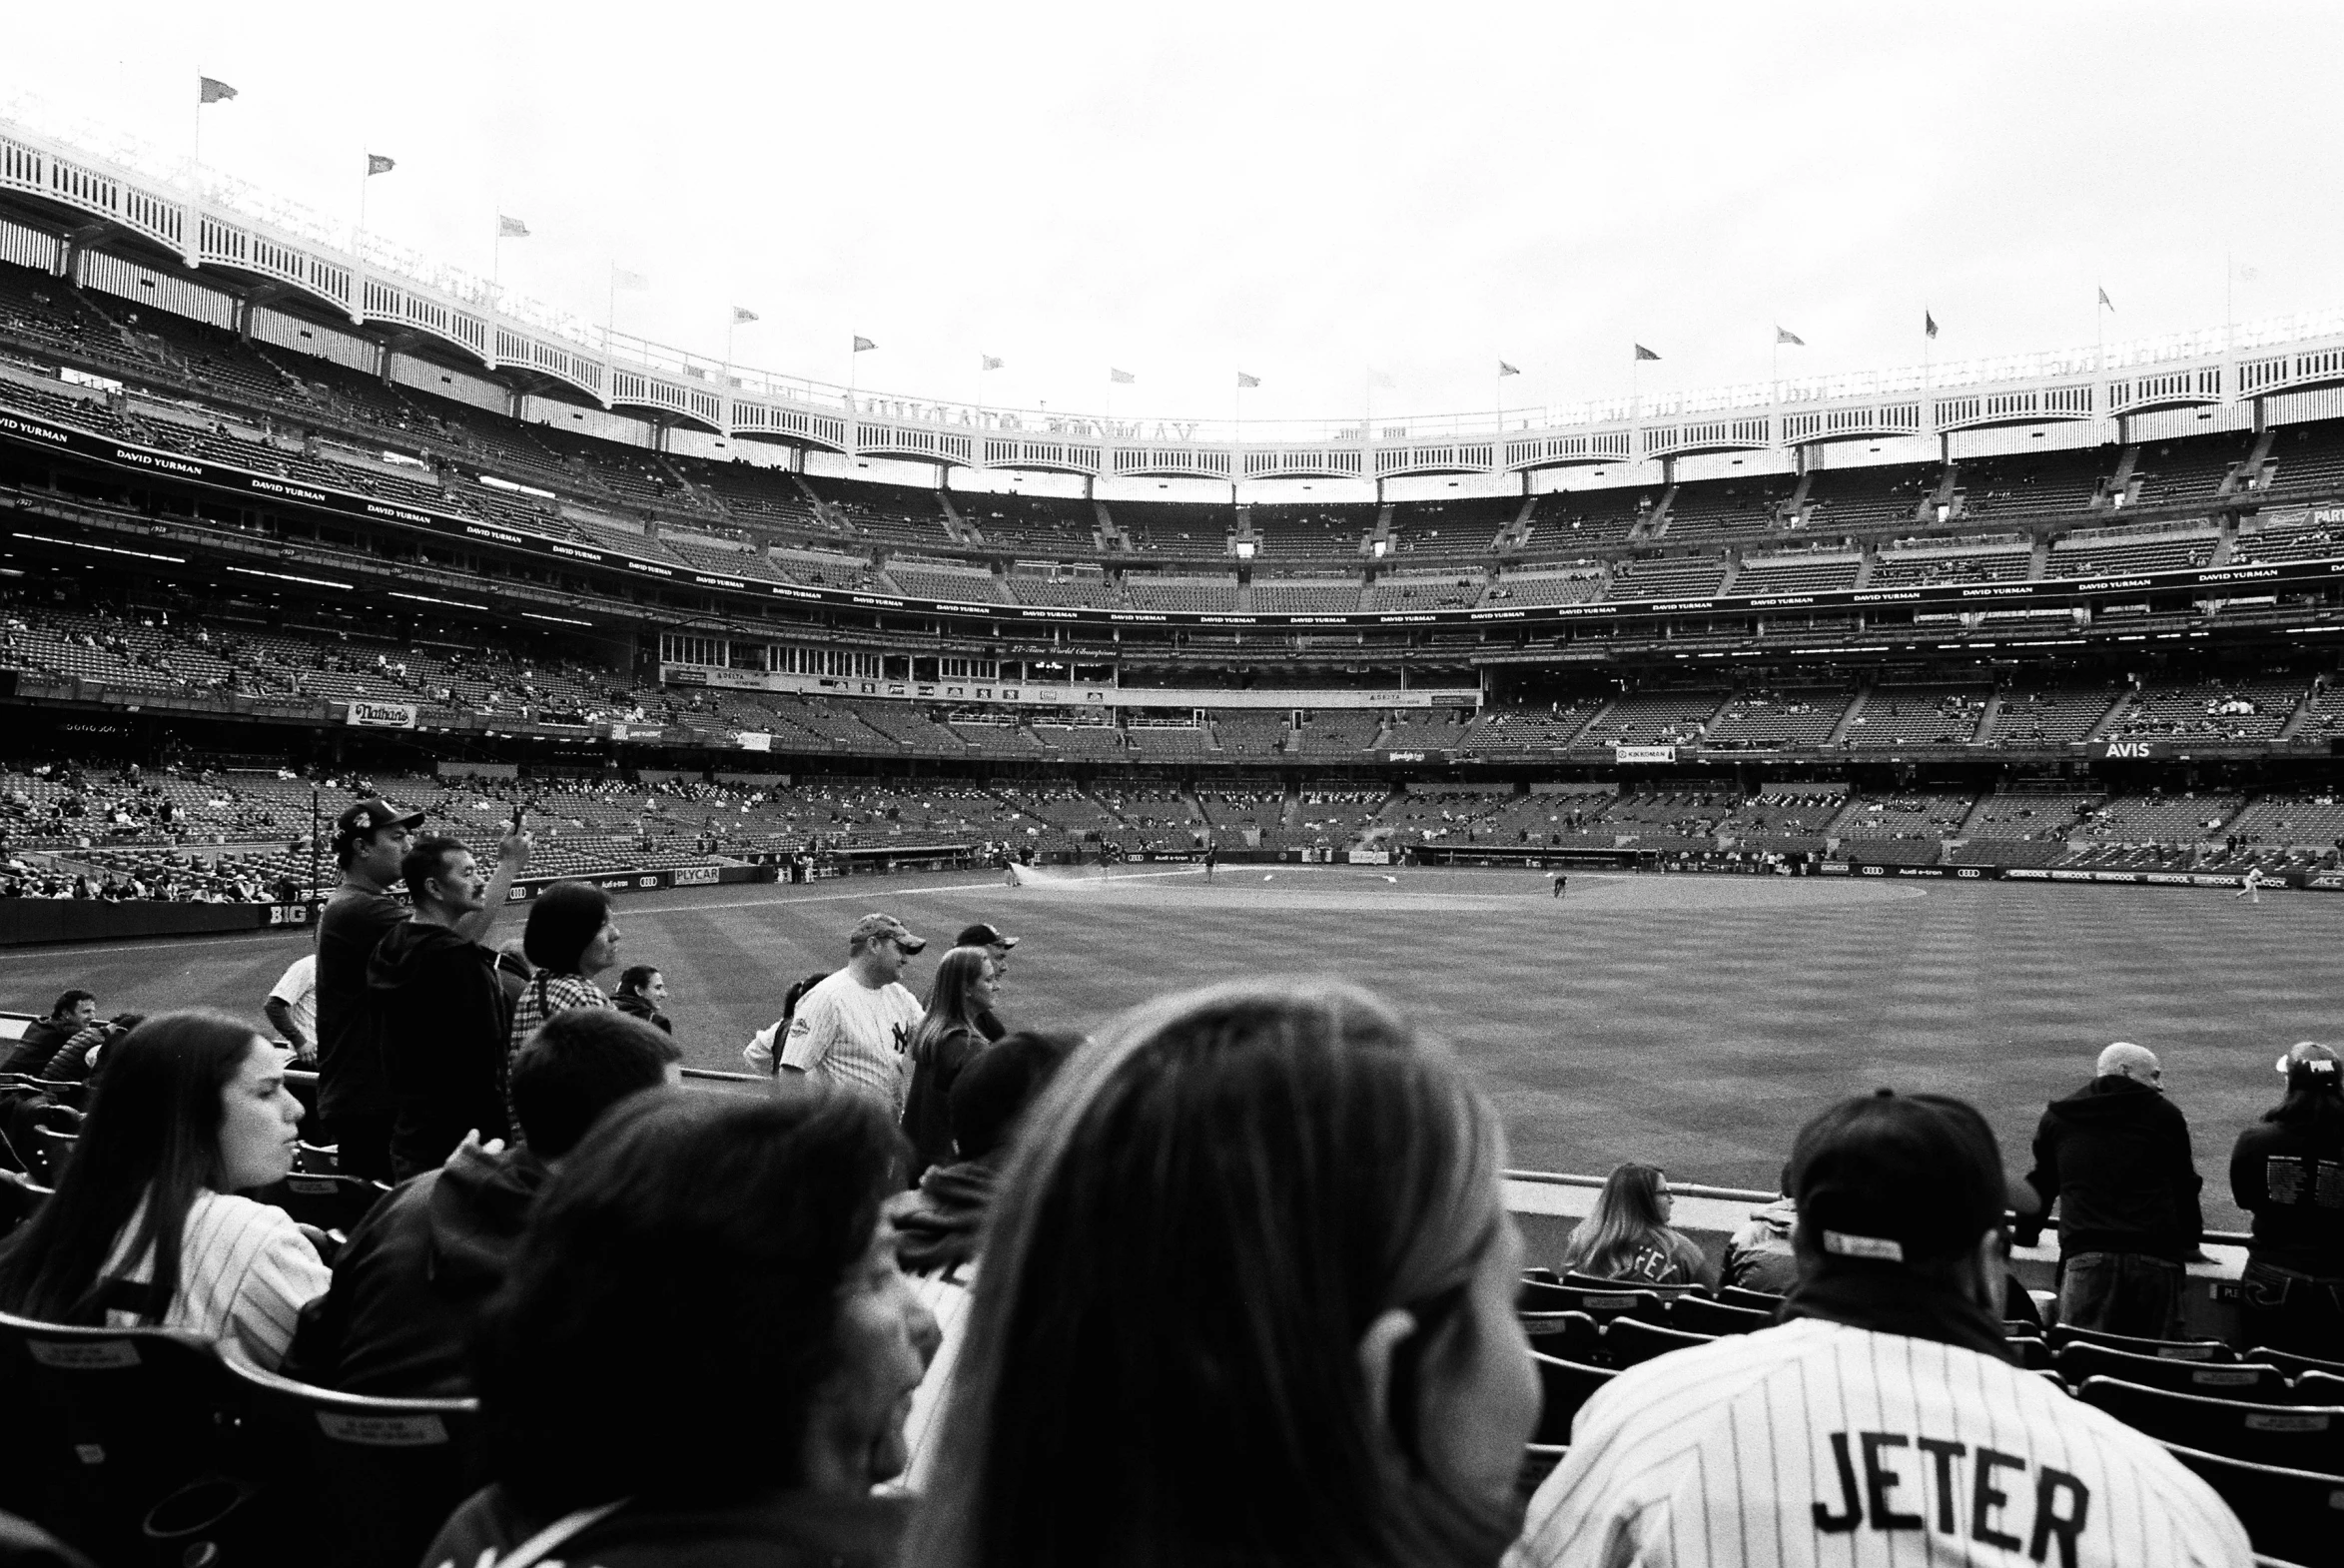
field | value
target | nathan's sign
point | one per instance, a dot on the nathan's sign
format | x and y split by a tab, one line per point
380	715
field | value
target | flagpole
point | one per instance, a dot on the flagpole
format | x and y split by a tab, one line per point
196	161
610	311
365	179
2230	288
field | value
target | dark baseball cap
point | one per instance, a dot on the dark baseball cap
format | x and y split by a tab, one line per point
371	816
1897	1179
984	935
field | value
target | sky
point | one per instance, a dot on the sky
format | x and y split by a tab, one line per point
1362	207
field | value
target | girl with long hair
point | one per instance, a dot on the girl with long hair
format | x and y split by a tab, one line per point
1248	1292
2291	1294
947	1041
1627	1235
146	1227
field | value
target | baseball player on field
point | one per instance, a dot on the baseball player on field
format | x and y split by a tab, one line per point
1884	1421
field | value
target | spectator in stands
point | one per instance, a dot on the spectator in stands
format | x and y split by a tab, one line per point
73	1011
1911	1424
441	1013
409	1286
944	1042
761	1050
77	1061
758	1434
641	989
2115	1157
571	937
2282	1172
854	1028
355	1098
1759	1256
1627	1236
146	1225
1249	1295
996	947
293	1008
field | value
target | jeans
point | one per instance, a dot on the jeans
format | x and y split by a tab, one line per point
2281	1309
2121	1294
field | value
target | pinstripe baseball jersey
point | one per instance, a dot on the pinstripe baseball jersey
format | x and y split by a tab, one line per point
1816	1445
244	1272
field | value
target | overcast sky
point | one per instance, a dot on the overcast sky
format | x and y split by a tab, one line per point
1303	192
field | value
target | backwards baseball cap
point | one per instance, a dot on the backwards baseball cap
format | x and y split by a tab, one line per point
1897	1179
984	935
873	926
370	816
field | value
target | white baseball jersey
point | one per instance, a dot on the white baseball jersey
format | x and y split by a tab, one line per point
1815	1444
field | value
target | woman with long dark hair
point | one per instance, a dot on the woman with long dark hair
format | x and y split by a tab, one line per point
571	935
1627	1235
146	1227
703	1351
2283	1172
947	1041
1248	1295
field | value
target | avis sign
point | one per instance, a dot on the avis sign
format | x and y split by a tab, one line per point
2118	749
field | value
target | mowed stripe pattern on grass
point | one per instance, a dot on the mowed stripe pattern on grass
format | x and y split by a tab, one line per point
1692	1022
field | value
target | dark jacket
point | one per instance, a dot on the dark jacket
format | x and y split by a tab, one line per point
798	1530
936	1067
2115	1156
443	1021
635	1007
350	1069
410	1283
941	1228
2291	1178
1759	1255
36	1045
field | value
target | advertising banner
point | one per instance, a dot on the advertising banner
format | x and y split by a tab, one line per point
380	715
1644	753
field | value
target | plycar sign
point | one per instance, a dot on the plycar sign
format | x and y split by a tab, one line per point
1644	753
380	715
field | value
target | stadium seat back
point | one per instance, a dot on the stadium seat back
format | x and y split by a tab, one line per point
1757	1300
20	1200
2293	1364
1601	1305
2264	1385
370	1481
2297	1437
2319	1389
1567	1385
1579	1281
2169	1349
1538	1462
2035	1356
330	1203
1631	1341
116	1419
2290	1515
318	1159
1572	1336
1700	1315
48	1154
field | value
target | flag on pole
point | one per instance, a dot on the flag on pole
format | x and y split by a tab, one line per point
510	227
1503	369
377	163
210	90
1793	339
1643	353
1120	378
2104	299
1928	324
742	318
1244	381
620	278
991	364
864	343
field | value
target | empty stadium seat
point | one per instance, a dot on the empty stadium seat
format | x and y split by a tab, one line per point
1601	1305
1758	1301
2295	1365
2080	1359
369	1482
20	1200
1628	1341
1700	1315
113	1420
1567	1385
330	1203
2170	1349
1538	1462
1569	1337
2034	1354
2290	1515
1579	1281
48	1152
2301	1437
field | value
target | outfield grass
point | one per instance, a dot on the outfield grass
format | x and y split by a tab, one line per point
1690	1021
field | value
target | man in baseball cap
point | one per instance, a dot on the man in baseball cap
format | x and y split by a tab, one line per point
371	837
996	947
1887	1411
853	1029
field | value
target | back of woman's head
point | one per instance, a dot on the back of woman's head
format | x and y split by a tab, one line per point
2315	1088
152	1127
563	921
1204	1213
673	1306
950	1007
1627	1215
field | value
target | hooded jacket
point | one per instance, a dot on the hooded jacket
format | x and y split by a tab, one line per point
1759	1256
443	1021
410	1284
2115	1156
941	1228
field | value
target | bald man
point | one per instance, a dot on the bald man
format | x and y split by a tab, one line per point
2115	1158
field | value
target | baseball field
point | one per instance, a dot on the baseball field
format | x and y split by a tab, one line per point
1690	1021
